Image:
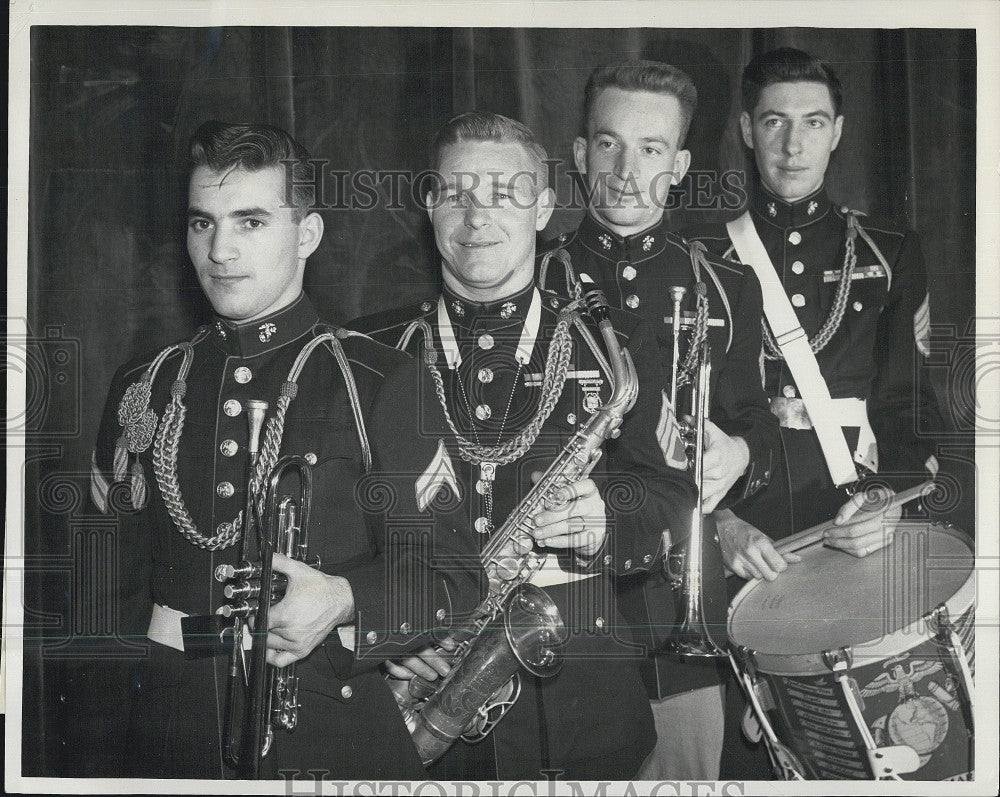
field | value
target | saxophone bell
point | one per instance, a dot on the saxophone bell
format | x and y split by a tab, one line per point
528	633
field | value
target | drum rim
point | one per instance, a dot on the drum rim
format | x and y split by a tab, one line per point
899	641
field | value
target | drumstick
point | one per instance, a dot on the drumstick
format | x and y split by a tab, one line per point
815	533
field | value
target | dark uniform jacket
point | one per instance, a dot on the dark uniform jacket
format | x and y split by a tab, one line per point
638	272
873	355
165	719
592	720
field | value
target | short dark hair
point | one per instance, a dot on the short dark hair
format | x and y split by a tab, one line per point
787	65
224	146
486	126
653	76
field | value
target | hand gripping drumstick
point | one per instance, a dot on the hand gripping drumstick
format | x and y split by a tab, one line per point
814	534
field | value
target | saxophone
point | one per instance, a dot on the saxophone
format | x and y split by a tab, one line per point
517	624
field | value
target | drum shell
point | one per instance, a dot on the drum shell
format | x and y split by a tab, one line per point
909	690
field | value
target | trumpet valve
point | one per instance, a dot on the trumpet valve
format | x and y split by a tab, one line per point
241	609
244	570
243	589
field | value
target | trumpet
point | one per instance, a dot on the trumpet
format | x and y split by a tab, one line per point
691	636
265	697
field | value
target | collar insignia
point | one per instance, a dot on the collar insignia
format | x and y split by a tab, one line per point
265	331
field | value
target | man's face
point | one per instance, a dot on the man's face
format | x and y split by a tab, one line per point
631	157
248	250
792	133
486	218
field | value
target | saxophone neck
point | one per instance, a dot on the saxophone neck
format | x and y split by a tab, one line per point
626	383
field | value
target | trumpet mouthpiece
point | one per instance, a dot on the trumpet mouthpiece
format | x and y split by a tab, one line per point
255	418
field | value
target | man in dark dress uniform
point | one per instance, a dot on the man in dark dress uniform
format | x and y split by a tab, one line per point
635	120
176	490
520	371
858	290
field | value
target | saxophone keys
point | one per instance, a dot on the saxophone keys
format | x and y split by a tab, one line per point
507	567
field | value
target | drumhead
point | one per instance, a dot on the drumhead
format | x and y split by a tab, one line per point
831	599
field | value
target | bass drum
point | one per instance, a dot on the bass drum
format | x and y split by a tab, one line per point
862	668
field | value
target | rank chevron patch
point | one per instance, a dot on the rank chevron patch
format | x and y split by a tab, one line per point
439	473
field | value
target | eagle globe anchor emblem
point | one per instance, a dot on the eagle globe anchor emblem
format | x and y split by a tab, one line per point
918	721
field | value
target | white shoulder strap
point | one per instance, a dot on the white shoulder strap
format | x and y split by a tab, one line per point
794	346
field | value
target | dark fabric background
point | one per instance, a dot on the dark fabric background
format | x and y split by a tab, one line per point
109	277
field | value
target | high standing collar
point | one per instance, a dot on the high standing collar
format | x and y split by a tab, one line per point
256	337
611	246
465	313
784	214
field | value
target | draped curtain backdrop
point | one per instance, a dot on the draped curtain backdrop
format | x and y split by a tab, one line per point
109	278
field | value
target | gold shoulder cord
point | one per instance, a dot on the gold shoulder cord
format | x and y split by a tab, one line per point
138	419
832	323
689	365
